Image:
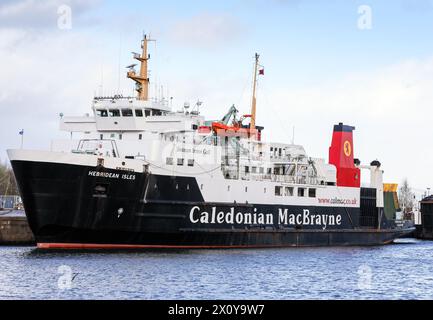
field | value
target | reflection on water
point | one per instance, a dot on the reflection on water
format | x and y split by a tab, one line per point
400	271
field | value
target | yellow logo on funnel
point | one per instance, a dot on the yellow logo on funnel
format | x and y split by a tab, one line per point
347	148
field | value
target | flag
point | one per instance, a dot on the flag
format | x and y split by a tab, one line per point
262	72
22	132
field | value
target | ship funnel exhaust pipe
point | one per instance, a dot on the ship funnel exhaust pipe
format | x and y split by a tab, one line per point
341	156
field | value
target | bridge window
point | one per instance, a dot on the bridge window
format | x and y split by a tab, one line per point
278	190
180	161
289	191
114	112
301	192
140	137
312	193
101	136
127	113
169	161
247	169
138	112
190	162
147	113
101	113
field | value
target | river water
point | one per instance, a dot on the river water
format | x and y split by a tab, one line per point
400	271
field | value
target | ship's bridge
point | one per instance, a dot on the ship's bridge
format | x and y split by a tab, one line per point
124	117
120	114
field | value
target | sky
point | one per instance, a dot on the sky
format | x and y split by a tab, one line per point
365	63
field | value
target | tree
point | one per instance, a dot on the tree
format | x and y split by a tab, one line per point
406	197
8	185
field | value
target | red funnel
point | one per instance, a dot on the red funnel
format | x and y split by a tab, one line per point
341	156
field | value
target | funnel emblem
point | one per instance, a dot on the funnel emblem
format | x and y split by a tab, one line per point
347	148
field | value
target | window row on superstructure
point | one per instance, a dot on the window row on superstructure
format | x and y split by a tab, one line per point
293	191
180	162
285	191
128	112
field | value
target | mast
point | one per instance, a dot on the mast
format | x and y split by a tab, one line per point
142	79
253	107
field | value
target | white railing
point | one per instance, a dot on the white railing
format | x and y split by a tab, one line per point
106	148
277	178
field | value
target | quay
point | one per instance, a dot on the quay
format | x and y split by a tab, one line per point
14	229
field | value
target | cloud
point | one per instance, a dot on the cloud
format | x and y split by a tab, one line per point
43	76
37	14
206	30
391	107
388	91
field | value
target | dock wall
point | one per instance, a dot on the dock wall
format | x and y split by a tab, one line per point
15	230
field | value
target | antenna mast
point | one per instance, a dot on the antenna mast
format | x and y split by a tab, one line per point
253	107
142	79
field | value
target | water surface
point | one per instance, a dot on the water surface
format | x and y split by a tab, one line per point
399	271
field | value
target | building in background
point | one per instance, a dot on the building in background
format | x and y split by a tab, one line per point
10	203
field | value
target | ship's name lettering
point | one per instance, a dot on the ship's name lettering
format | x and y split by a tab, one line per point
111	175
305	218
185	150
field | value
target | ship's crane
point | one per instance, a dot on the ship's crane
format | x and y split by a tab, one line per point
232	113
230	125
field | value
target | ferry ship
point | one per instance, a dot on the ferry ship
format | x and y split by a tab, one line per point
140	175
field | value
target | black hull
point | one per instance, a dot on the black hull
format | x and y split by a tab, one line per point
69	206
193	239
